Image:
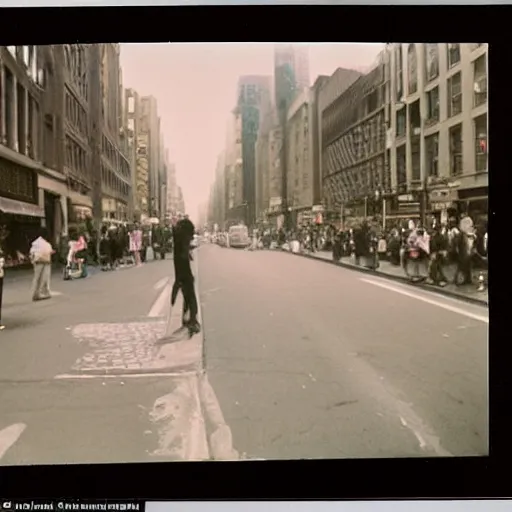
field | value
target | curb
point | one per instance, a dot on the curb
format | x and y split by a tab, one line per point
401	279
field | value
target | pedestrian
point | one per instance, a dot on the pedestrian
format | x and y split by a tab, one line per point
136	243
183	234
41	257
2	271
438	254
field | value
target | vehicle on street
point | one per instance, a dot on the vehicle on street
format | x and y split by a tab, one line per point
239	237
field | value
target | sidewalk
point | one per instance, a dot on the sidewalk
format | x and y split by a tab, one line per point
386	269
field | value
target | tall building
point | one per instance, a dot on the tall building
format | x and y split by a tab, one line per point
355	163
172	190
291	71
137	146
33	190
438	131
180	201
115	166
299	171
253	93
150	132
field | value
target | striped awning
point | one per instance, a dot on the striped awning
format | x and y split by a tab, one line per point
20	208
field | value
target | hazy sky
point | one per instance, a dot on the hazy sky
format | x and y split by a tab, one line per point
195	87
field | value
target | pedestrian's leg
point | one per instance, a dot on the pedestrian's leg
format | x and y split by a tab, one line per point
174	293
36	283
189	296
45	280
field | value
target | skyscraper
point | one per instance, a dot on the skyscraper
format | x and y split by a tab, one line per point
291	71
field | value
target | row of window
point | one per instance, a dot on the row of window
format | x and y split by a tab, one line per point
75	157
76	65
349	110
431	64
454	97
113	183
23	113
113	156
28	57
76	114
17	182
456	153
361	143
358	181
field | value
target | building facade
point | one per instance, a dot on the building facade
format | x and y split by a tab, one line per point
25	180
114	163
438	130
355	170
254	95
299	172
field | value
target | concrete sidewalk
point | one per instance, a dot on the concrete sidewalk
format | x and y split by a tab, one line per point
469	293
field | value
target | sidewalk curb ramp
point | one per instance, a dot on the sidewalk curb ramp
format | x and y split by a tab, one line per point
400	279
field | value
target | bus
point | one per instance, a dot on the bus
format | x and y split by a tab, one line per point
239	236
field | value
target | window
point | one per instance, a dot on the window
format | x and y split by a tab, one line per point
480	81
12	50
41	77
433	105
454	95
25	53
456	150
399	72
131	105
481	143
131	125
453	54
432	60
432	154
412	62
33	63
401	119
401	167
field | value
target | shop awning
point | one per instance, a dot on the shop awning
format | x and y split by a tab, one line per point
20	208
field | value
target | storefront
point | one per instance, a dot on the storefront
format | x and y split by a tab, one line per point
475	203
21	214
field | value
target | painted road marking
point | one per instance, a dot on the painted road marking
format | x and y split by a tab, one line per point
70	376
448	307
9	435
161	303
160	284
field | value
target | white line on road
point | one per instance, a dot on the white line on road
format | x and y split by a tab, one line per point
9	435
71	376
160	284
161	302
453	309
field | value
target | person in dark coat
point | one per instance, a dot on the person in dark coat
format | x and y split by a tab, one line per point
183	234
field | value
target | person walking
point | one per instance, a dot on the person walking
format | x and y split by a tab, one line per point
183	234
41	257
136	243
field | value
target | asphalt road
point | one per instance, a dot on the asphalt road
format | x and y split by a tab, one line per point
309	360
299	360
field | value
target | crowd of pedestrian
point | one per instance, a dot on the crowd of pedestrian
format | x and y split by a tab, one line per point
408	244
115	245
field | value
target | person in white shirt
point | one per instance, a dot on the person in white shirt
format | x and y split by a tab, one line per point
41	257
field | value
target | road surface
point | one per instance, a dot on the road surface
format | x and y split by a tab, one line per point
299	359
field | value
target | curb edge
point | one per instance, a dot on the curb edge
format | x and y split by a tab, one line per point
403	280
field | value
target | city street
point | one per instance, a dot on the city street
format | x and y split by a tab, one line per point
302	359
